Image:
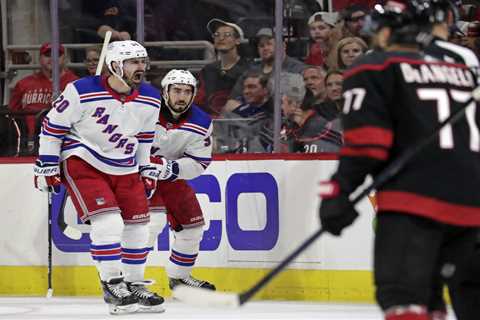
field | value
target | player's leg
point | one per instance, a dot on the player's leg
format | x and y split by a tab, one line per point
130	194
186	220
461	269
406	254
95	203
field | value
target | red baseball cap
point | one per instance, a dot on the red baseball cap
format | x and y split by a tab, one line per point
46	49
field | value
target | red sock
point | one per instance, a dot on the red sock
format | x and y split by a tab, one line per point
411	312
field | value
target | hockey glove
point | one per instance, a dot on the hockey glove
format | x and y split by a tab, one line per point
47	176
169	169
149	176
336	210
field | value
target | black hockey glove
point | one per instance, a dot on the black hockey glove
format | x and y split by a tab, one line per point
336	211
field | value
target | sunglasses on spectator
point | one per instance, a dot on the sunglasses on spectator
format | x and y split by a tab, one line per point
223	35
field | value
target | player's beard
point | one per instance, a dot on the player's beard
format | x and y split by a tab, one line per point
135	79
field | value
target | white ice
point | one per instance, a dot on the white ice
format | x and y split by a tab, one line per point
68	308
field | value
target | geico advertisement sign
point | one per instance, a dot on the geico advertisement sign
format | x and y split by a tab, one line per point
70	236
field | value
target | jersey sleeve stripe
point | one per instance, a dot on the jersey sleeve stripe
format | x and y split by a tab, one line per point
152	104
202	133
369	135
94	94
428	207
96	99
369	152
151	99
195	127
204	162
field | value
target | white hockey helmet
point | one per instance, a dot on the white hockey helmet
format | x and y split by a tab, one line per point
119	51
178	76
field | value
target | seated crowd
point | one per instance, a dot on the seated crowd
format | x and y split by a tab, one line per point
236	90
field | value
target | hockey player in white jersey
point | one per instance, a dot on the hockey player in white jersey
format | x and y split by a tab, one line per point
96	140
182	150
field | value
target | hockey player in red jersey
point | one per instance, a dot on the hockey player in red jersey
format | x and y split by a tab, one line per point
96	140
427	220
182	150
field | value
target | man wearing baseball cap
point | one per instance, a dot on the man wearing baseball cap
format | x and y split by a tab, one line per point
218	78
265	42
33	94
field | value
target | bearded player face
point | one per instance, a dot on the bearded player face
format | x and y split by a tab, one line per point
180	97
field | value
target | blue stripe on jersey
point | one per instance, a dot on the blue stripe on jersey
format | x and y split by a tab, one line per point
57	126
88	85
192	130
199	117
96	99
45	158
130	162
146	102
197	158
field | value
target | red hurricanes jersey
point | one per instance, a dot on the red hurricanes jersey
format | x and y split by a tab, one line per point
34	92
394	99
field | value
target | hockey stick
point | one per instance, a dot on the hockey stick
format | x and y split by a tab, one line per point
203	297
103	53
50	265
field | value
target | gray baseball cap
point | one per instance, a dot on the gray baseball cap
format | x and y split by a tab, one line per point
213	25
329	18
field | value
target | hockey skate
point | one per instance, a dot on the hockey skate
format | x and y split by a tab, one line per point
191	282
147	301
119	299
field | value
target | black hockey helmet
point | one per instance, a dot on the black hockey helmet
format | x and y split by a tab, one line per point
439	10
409	21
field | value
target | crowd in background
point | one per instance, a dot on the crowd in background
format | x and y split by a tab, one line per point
236	89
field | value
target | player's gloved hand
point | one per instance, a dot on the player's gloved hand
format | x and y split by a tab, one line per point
47	176
168	168
149	176
336	210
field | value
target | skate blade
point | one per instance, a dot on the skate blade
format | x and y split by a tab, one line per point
119	310
151	309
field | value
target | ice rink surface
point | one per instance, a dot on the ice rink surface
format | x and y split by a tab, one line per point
58	308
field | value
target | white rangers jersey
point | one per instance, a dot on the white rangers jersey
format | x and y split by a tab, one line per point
111	132
187	141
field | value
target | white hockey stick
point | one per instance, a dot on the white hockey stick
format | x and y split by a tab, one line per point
203	297
106	41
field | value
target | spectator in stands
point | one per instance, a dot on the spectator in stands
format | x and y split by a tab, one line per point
92	56
353	19
266	50
218	78
239	133
348	49
33	94
116	21
310	132
331	107
314	79
323	37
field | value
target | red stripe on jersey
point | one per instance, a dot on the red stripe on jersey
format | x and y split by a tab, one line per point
376	153
392	60
369	135
428	207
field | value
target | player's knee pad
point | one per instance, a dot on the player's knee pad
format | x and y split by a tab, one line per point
135	235
106	228
157	222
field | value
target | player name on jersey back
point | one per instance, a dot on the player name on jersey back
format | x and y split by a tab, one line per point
457	75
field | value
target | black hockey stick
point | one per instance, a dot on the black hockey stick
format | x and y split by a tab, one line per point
205	297
50	265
